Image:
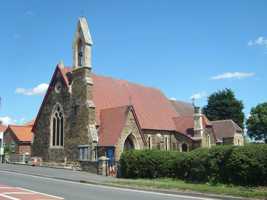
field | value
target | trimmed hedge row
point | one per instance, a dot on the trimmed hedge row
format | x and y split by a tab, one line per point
245	165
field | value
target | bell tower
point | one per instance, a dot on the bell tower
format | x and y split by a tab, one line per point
83	127
82	45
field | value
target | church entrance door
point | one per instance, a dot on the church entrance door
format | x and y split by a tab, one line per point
129	143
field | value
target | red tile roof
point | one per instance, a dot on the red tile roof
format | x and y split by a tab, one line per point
112	122
2	128
183	108
23	133
153	109
185	124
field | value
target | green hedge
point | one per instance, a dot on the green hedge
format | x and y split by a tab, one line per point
245	165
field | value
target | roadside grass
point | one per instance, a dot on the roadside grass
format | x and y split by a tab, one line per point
179	185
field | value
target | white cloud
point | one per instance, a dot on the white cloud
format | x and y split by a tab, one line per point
260	41
7	120
233	75
173	98
198	95
38	90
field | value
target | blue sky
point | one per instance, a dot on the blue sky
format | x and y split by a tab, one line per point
184	48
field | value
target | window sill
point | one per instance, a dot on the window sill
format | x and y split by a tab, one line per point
56	147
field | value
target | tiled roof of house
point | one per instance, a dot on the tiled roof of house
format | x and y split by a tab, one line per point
23	133
225	128
2	128
183	108
153	109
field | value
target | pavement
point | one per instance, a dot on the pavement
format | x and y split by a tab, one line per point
77	185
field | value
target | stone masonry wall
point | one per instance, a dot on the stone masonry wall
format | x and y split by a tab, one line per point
84	113
41	143
239	139
130	128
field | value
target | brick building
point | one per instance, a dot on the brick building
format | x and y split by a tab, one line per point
18	139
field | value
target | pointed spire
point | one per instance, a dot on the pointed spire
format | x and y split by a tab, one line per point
83	31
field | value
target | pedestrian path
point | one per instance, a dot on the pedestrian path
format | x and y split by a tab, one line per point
18	193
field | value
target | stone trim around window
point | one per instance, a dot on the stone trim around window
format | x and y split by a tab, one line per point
57	127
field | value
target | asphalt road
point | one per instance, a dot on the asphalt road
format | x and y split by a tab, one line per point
79	191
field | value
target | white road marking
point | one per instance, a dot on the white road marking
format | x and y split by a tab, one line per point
48	195
110	187
8	197
8	193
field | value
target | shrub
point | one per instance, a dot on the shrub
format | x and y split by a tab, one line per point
149	163
246	165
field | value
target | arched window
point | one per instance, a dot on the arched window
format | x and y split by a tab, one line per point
80	49
166	142
184	147
149	142
57	128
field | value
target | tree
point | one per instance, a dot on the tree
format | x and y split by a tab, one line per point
224	105
257	122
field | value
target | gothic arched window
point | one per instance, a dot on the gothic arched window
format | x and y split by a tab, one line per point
166	142
80	49
57	128
149	142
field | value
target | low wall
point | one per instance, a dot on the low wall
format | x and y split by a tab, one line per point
89	166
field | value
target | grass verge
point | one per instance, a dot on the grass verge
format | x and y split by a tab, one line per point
179	185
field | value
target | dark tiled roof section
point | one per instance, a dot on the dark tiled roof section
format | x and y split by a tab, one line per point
182	108
225	128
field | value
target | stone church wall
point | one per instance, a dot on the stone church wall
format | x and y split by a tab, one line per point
165	140
41	142
130	128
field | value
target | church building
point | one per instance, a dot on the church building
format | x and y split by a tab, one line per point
84	116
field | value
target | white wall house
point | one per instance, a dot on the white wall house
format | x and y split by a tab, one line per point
2	129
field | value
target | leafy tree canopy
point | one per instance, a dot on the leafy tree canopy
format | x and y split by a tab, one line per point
257	122
224	105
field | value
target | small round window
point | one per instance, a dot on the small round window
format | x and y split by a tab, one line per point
58	87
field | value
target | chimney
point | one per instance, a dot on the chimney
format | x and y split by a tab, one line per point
198	123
